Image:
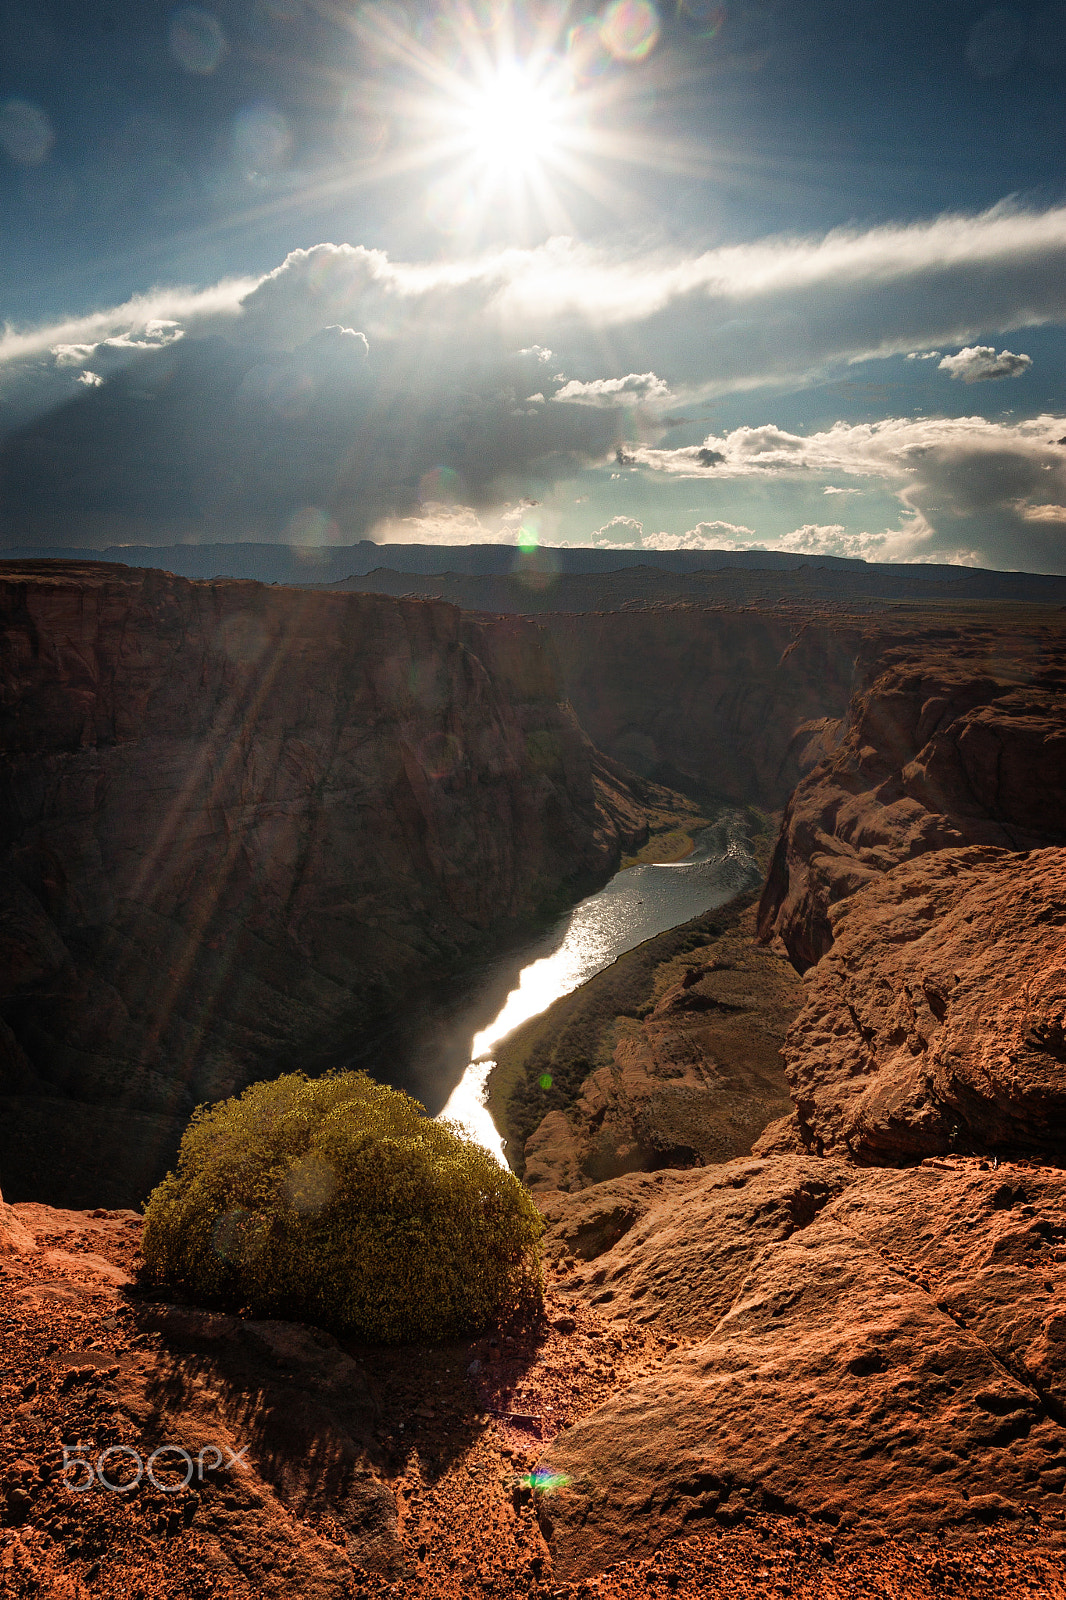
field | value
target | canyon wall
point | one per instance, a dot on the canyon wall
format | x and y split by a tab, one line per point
237	822
864	1319
920	876
919	872
735	703
950	742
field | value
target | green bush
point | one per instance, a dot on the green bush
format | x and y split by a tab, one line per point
338	1201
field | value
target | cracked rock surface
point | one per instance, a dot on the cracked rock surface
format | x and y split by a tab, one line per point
879	1350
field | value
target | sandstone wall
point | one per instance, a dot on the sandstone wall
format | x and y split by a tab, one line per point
945	745
736	702
920	879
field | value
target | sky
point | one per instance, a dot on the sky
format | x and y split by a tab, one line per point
659	276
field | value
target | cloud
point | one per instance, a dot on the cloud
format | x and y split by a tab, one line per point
620	530
155	334
833	488
970	488
720	320
830	539
343	377
133	318
346	340
704	536
92	379
438	523
636	388
979	363
922	355
630	532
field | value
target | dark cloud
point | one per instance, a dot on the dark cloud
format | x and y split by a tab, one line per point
212	437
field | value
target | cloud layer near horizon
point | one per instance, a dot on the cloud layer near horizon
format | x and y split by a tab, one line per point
365	388
971	489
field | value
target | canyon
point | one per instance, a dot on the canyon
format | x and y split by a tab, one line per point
238	824
806	1219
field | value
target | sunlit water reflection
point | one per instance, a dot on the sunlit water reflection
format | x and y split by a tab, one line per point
636	905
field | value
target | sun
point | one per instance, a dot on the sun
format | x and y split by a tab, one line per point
517	117
512	122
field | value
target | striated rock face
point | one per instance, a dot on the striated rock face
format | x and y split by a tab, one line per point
235	822
946	748
882	1351
936	1021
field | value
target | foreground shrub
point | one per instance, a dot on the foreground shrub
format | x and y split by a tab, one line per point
336	1200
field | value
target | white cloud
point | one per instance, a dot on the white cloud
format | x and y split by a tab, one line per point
629	532
833	488
72	355
636	388
980	363
620	530
454	345
704	536
92	380
437	524
202	306
337	337
728	318
970	489
830	539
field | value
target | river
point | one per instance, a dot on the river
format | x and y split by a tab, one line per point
637	904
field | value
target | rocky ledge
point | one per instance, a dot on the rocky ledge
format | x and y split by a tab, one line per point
883	1352
775	1377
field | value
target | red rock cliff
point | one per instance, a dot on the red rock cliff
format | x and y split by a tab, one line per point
237	819
949	742
909	878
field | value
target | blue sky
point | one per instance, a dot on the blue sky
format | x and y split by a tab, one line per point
747	274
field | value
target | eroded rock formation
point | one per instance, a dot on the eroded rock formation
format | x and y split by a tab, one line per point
909	874
237	821
936	1020
946	747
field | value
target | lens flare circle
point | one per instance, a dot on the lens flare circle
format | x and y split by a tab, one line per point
197	41
630	29
26	134
705	17
261	137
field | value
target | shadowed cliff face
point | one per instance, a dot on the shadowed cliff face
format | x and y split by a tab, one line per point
736	703
236	821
